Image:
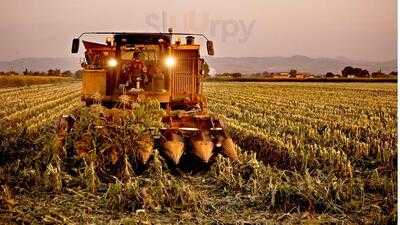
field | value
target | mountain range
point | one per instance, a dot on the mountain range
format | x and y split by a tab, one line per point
224	64
298	62
41	64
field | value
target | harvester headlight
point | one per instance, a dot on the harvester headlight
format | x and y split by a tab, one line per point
170	61
112	63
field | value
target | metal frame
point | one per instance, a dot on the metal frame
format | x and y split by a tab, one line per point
140	33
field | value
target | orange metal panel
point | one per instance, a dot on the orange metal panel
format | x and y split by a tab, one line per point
185	73
94	82
186	47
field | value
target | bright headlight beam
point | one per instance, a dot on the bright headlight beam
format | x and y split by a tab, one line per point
112	62
170	61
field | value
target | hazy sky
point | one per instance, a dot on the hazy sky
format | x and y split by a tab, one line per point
358	29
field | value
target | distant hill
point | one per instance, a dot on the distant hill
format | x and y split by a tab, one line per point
41	64
224	64
300	63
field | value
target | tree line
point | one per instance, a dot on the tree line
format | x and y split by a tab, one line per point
50	72
350	71
347	72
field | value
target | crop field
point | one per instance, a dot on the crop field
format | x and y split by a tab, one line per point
36	106
7	81
311	126
310	153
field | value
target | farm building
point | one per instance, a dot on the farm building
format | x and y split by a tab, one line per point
280	75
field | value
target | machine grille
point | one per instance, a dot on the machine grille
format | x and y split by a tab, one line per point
185	74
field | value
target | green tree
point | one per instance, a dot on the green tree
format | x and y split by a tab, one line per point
50	72
378	74
329	75
206	69
236	75
67	73
292	73
266	74
348	70
78	74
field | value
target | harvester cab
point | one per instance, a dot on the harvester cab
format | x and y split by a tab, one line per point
132	67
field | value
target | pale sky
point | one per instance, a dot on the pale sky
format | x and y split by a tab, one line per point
357	29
